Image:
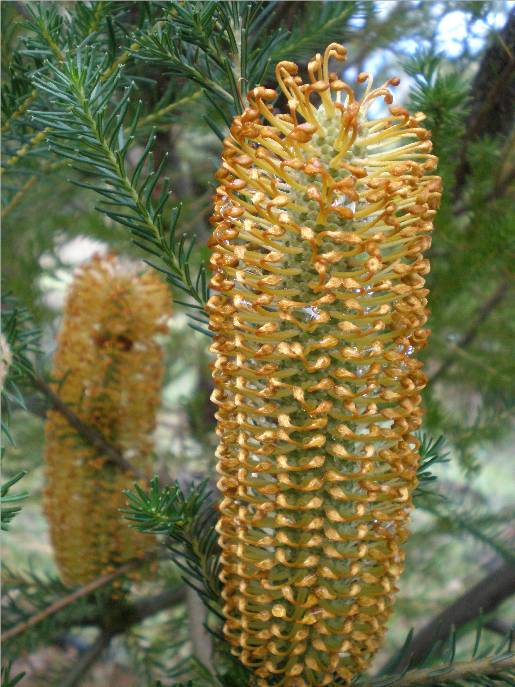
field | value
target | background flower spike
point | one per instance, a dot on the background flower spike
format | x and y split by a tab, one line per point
108	368
321	219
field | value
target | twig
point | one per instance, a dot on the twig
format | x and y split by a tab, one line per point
476	359
18	196
484	597
25	149
69	599
90	434
44	169
442	675
139	611
491	111
502	185
145	608
20	111
121	59
86	661
498	626
200	637
155	116
469	336
490	99
495	194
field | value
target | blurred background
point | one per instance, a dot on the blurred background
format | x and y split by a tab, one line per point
456	62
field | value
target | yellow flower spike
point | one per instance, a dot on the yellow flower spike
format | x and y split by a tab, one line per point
321	219
108	369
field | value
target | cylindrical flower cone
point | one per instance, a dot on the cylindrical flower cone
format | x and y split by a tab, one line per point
321	218
108	369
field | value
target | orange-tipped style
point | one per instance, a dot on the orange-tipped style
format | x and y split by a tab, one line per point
108	369
321	219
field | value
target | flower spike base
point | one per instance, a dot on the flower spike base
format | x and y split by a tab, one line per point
321	218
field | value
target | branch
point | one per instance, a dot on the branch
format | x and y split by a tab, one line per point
91	134
156	116
25	149
134	614
469	336
20	111
18	196
498	626
119	61
463	521
442	675
200	637
90	434
69	599
502	186
145	608
492	94
86	661
484	597
496	193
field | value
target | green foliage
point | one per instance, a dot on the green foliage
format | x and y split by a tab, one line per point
484	425
443	96
187	520
227	48
9	680
322	24
494	659
473	519
485	527
30	592
16	93
8	511
87	131
437	667
164	653
432	453
23	339
221	47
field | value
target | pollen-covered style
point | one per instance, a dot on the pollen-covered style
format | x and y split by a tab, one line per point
321	218
108	369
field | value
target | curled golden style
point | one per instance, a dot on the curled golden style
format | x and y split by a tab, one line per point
108	368
321	218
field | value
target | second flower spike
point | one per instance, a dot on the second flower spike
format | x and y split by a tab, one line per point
108	369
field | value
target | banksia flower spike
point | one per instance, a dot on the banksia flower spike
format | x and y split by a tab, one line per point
321	218
108	369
